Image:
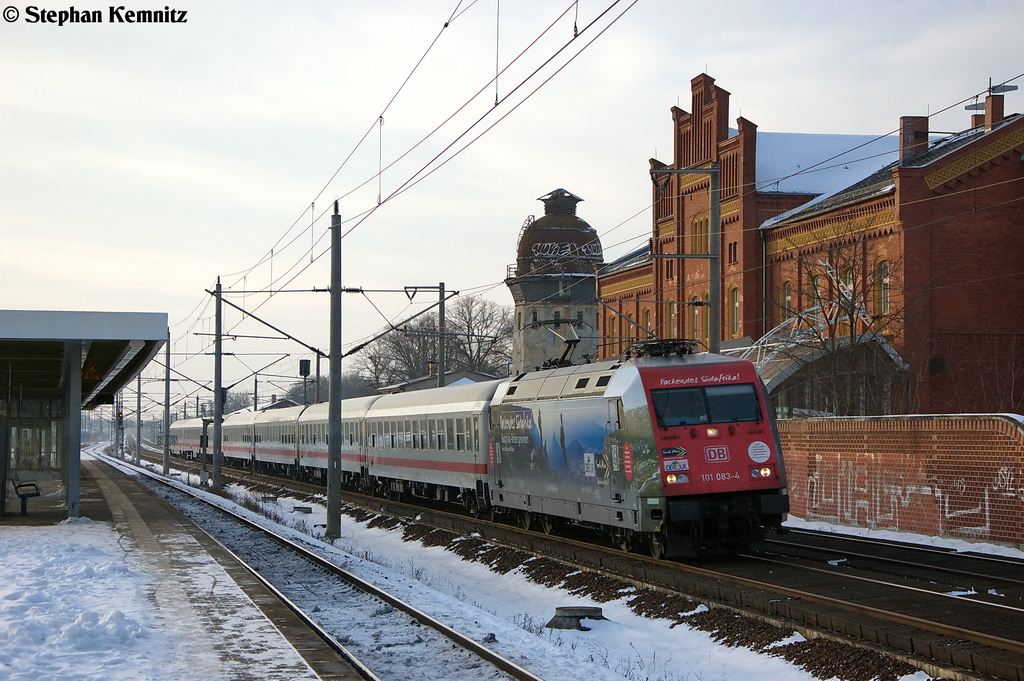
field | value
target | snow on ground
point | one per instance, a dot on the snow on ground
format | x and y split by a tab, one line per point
74	607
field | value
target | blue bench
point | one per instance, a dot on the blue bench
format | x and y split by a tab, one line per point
25	491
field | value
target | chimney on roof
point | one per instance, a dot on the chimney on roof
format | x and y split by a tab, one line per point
993	111
913	136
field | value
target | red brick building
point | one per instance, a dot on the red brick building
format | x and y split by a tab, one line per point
902	292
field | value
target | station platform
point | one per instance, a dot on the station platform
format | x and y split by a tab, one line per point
231	625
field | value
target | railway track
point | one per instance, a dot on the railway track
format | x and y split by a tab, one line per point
921	610
347	612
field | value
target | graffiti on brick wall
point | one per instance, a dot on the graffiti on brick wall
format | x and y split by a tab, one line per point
852	494
861	491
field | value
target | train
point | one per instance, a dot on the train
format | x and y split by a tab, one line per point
664	448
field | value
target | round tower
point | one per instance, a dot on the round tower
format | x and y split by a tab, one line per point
554	285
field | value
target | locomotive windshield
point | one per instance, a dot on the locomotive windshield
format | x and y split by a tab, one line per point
713	404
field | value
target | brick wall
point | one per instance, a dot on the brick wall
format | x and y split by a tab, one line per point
956	476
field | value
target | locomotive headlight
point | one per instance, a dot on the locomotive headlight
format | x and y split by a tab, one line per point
712	432
765	472
670	479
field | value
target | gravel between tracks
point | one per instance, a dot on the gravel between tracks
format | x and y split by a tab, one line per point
824	659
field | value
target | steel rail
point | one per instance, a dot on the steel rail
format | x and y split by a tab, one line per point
906	563
463	641
922	548
879	582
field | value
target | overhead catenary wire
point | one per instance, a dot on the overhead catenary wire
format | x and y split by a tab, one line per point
810	169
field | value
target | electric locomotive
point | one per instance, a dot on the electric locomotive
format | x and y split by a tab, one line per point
670	448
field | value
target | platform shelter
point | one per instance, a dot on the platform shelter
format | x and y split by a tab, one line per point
53	365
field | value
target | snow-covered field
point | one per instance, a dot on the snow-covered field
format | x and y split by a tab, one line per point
73	606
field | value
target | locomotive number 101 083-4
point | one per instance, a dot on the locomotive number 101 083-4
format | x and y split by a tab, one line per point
708	477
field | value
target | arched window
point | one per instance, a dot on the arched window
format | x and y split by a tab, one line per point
734	311
613	341
670	321
847	279
881	288
700	236
786	299
648	331
630	333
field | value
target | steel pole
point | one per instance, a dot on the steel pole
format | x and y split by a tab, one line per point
714	249
334	406
715	264
138	420
441	368
166	469
218	396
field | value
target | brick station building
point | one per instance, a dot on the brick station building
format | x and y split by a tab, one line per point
901	289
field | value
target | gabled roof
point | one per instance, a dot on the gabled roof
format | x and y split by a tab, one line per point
882	181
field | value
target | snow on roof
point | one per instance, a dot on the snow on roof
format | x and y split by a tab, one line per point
819	164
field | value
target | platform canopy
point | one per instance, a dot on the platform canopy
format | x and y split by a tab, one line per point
115	347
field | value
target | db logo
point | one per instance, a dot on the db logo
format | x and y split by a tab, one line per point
716	454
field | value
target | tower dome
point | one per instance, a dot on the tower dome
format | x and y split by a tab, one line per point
559	242
555	287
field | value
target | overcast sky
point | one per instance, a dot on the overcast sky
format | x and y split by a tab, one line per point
140	162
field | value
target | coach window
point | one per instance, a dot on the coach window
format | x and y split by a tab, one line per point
450	434
415	434
476	433
460	435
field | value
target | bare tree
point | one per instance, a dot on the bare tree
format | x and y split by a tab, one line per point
352	385
478	337
236	401
482	333
841	336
